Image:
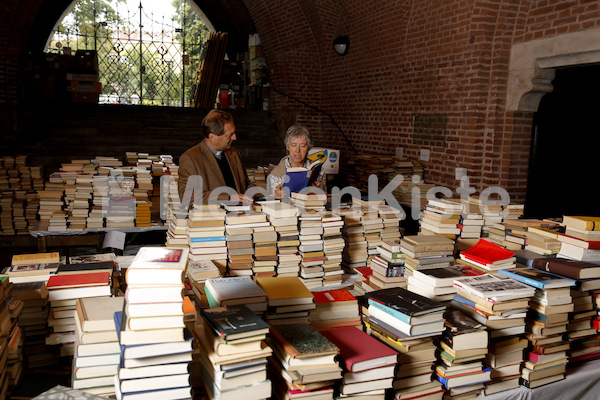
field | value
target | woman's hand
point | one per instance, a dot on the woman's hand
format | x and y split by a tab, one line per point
279	191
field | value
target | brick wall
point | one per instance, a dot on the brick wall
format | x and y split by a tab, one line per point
407	59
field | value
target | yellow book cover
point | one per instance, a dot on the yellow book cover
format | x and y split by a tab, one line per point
285	290
582	222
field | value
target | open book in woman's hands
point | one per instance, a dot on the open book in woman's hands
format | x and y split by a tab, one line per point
297	178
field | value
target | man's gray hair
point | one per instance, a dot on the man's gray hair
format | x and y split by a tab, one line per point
296	131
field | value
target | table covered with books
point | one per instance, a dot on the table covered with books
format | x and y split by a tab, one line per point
582	382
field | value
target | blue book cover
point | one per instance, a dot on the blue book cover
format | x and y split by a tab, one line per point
538	278
479	379
207	239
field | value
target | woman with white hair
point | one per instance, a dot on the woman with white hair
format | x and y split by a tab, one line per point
298	141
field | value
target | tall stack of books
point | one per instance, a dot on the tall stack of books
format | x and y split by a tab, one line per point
491	213
371	221
470	224
51	198
176	222
206	231
285	220
333	246
387	267
230	291
463	346
587	277
288	300
437	283
368	364
442	217
264	239
355	252
311	249
120	211
334	309
5	322
501	305
156	352
240	249
304	362
426	251
391	218
97	352
233	353
488	256
99	201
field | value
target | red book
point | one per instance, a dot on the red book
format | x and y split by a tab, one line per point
586	244
484	252
360	351
334	296
78	280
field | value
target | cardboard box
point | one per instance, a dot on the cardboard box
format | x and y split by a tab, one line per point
332	163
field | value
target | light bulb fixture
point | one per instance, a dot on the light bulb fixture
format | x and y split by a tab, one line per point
341	45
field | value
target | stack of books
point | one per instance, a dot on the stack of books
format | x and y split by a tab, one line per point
368	364
156	352
303	364
334	309
387	267
12	341
51	199
288	300
405	311
471	224
143	213
355	250
34	299
99	201
309	201
463	346
333	246
240	249
233	353
499	304
97	353
206	231
197	273
311	249
488	256
391	218
426	251
438	283
543	241
581	331
264	239
285	220
176	222
373	225
120	212
229	291
442	217
581	239
63	291
492	213
6	325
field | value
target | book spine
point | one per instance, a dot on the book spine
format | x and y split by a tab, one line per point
207	239
394	313
559	268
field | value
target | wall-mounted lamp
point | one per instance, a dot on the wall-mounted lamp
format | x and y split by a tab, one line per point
341	45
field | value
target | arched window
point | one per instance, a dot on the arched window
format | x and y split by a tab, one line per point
146	54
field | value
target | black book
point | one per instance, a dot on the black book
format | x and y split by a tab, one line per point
234	322
405	302
86	267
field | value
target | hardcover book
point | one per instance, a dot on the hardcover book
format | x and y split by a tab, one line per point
487	253
97	313
234	322
234	290
405	302
285	290
301	341
35	258
573	269
297	178
80	268
360	351
538	278
57	282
